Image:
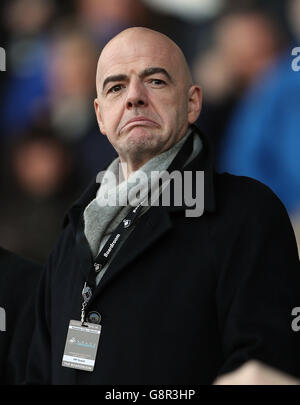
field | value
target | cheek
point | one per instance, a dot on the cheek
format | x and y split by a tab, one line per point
111	116
165	106
172	101
175	111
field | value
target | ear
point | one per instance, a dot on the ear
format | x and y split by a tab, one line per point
194	103
98	115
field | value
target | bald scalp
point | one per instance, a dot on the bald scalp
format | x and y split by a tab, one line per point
136	36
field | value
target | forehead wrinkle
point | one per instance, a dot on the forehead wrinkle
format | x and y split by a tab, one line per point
142	75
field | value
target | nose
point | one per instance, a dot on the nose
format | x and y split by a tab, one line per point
136	95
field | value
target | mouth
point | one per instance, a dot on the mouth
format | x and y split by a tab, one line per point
139	121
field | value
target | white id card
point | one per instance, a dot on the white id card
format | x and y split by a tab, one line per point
81	345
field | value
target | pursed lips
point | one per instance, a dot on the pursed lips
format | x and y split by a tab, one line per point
141	120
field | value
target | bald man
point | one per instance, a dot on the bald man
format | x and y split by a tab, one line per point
142	290
145	97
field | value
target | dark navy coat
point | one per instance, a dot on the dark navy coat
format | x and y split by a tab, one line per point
18	284
185	299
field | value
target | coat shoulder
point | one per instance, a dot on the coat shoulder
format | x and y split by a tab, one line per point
12	263
244	194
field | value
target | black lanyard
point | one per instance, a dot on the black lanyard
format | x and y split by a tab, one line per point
118	235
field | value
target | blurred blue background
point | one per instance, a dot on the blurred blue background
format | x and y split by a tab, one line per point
240	53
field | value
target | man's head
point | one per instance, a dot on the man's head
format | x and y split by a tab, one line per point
145	96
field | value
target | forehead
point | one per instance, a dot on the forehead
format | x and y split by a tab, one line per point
125	55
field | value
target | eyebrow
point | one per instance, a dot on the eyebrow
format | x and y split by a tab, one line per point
146	72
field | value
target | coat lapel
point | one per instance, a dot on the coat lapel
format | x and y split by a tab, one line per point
151	226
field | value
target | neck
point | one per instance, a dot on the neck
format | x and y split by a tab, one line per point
129	167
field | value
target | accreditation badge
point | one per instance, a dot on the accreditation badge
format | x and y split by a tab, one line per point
81	345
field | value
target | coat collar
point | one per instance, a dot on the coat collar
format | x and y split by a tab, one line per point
203	161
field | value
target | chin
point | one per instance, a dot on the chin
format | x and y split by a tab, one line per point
143	140
142	135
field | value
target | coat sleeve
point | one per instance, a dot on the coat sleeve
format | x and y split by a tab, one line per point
19	279
17	353
259	285
38	370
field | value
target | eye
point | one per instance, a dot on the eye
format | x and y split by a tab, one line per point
157	82
115	89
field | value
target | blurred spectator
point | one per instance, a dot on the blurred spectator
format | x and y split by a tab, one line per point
35	194
293	15
26	23
104	19
244	44
28	17
263	136
66	105
70	71
247	43
69	106
262	139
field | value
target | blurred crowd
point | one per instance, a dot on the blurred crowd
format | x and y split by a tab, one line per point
50	144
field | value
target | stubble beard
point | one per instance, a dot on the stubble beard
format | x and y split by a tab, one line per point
139	149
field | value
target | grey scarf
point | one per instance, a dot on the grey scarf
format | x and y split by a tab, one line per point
103	215
107	210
